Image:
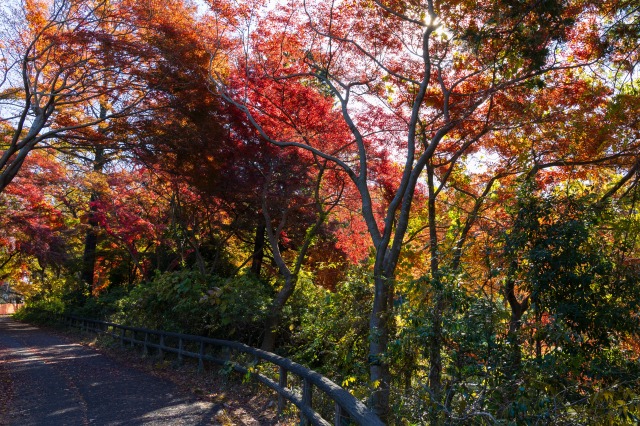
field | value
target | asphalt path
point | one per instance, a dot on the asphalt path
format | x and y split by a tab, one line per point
55	382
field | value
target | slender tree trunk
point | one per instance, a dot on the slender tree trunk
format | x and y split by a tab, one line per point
90	245
435	344
436	339
202	266
378	340
515	322
275	313
258	250
290	274
91	237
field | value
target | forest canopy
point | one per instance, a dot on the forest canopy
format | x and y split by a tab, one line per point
433	203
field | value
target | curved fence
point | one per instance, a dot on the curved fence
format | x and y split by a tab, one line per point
346	408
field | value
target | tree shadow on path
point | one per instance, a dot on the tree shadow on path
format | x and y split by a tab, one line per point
60	383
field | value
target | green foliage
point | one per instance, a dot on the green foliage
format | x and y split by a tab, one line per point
474	359
169	301
329	330
104	306
581	298
189	302
51	295
237	308
480	387
40	311
576	365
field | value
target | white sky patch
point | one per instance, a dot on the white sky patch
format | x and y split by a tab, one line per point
441	30
431	20
201	7
481	161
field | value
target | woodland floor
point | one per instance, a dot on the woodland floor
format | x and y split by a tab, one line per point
53	378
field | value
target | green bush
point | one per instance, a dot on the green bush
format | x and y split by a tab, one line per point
104	306
40	311
189	302
236	308
328	331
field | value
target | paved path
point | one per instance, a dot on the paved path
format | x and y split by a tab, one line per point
60	383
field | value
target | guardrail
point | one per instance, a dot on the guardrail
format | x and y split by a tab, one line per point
348	409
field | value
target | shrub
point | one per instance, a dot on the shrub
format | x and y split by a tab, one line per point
190	302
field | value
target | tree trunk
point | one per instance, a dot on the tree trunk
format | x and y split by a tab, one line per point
275	314
91	237
378	340
258	250
515	322
436	339
90	245
435	347
290	275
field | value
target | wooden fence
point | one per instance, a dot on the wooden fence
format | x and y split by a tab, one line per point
346	408
9	308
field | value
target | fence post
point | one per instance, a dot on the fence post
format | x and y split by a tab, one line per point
180	346
146	341
122	331
306	400
337	420
201	358
161	346
282	382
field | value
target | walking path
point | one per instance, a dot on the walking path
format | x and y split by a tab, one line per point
56	382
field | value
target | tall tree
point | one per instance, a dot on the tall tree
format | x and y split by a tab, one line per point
59	69
427	81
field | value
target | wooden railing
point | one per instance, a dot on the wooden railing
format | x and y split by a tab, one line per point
347	409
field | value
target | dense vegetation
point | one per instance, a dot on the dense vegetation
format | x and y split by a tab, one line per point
436	204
